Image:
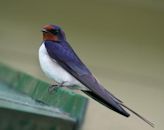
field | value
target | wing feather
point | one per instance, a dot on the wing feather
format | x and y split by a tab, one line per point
67	58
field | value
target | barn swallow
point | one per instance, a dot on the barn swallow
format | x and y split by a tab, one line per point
60	63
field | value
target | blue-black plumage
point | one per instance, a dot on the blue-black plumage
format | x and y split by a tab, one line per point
71	63
61	56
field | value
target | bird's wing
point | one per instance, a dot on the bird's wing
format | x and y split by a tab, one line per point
66	57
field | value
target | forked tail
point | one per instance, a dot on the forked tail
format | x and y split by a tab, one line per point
119	102
141	117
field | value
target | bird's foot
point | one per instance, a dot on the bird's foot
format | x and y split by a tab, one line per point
55	86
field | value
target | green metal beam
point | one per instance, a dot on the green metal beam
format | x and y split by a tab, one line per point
24	96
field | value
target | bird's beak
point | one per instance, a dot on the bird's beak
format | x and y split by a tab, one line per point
44	30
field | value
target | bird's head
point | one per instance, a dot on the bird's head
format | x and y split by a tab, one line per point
53	33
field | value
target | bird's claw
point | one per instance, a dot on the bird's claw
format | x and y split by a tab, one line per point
54	87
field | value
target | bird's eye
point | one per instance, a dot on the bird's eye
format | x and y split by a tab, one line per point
55	31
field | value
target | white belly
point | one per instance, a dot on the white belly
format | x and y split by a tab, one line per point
54	71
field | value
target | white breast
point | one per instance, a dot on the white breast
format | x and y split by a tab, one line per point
54	71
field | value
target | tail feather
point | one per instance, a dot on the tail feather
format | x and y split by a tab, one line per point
141	117
103	102
121	103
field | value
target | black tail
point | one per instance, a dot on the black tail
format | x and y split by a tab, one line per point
103	102
141	117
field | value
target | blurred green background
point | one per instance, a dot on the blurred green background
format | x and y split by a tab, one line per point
121	41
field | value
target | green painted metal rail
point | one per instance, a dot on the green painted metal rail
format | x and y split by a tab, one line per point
25	104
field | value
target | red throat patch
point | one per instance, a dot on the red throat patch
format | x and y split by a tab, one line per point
49	36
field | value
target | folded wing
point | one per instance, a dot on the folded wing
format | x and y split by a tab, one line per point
66	57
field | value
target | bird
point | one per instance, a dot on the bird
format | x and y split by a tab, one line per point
61	64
